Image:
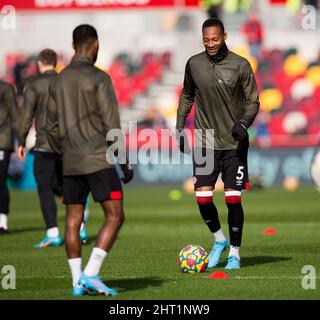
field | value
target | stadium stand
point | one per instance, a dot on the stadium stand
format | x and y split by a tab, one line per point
289	91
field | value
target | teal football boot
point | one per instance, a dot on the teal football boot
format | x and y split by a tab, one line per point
233	263
78	291
49	242
84	236
216	251
95	285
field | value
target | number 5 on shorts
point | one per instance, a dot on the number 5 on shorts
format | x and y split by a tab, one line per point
240	173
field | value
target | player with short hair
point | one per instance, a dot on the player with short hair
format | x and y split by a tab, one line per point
8	124
223	87
82	110
47	163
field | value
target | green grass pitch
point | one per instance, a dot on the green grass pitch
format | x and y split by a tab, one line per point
143	261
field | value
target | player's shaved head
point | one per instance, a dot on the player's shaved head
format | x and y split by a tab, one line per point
85	41
213	22
84	36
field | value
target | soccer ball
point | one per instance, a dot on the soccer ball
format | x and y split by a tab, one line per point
193	259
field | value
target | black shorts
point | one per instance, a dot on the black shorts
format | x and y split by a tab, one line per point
47	168
104	185
232	164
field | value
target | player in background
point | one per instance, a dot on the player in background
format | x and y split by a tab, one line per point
223	87
47	163
8	124
82	110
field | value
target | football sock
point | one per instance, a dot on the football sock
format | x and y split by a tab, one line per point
234	251
82	226
53	232
47	204
219	236
95	262
3	221
75	267
4	192
208	210
235	217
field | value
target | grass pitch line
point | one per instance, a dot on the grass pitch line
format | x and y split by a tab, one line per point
187	277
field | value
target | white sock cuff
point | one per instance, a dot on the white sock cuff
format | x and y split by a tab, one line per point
219	235
75	267
204	194
3	221
232	193
95	262
234	251
3	217
53	232
99	252
74	261
219	231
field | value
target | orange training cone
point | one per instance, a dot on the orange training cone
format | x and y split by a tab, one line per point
218	275
270	231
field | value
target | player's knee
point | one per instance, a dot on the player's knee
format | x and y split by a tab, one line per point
120	217
73	224
233	197
204	197
116	216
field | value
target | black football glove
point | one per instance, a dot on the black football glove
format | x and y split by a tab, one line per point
127	172
239	131
183	143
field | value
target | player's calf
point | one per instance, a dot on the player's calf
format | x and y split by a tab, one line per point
235	221
208	210
209	214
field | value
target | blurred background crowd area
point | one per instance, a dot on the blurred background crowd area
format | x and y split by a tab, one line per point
145	50
144	46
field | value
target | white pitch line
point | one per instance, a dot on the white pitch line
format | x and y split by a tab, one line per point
258	277
177	279
263	278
